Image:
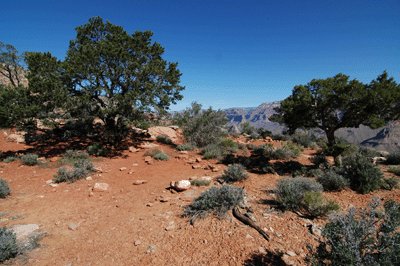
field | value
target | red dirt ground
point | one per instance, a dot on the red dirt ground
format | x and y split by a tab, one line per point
118	227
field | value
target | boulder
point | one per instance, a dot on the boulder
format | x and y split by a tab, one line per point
100	187
181	185
173	133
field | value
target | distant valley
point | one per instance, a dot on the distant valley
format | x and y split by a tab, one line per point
385	139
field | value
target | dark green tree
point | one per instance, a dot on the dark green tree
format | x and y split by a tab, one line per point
247	128
337	102
109	74
11	69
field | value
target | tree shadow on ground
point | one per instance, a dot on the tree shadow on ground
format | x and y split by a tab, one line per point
269	258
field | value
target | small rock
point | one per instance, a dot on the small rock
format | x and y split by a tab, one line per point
133	149
139	182
249	236
183	156
262	250
135	164
149	204
137	243
122	168
73	227
129	173
198	159
53	185
278	235
271	229
165	199
98	169
197	166
170	227
183	152
100	187
89	178
186	198
291	253
48	182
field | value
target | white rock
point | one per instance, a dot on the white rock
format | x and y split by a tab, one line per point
24	230
181	185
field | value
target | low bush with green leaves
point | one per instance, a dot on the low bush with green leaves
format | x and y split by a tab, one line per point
10	159
320	161
198	182
164	139
369	238
393	158
368	152
247	128
287	151
390	183
316	205
305	140
96	150
81	169
157	154
8	244
186	147
290	191
212	151
234	172
217	200
4	188
29	159
331	180
362	174
75	155
395	170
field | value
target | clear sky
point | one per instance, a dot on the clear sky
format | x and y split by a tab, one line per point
231	53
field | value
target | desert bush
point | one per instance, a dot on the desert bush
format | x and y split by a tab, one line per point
287	151
290	191
97	150
10	159
8	244
282	137
201	127
264	150
305	140
199	183
331	180
75	155
186	147
157	154
4	188
363	175
369	238
393	158
264	133
212	151
395	170
29	159
368	152
227	143
251	146
164	139
247	128
390	183
217	200
320	161
81	169
84	164
234	172
316	205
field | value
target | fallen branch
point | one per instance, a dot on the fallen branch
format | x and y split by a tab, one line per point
238	215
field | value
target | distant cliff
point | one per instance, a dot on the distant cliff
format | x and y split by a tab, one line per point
386	138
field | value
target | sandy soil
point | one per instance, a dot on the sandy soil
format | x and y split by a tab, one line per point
143	224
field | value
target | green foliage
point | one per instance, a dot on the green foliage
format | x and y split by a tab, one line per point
186	147
390	183
4	188
316	205
164	139
337	102
320	161
157	154
305	140
109	74
331	180
82	168
11	65
199	183
218	200
263	133
368	152
8	244
97	150
10	159
227	143
234	172
75	155
395	170
212	151
362	174
290	191
201	127
369	238
287	151
29	159
247	128
393	158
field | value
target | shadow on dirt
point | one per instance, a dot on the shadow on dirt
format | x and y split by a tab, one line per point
257	259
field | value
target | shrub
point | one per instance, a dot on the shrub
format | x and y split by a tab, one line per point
75	155
29	159
234	172
367	239
199	183
84	164
367	152
218	200
201	127
157	154
8	244
362	174
287	151
10	159
290	191
332	181
281	137
247	128
81	169
394	170
97	150
186	147
316	205
393	158
4	188
264	133
390	183
305	140
164	139
212	151
320	161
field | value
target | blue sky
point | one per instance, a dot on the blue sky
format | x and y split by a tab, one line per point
231	53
